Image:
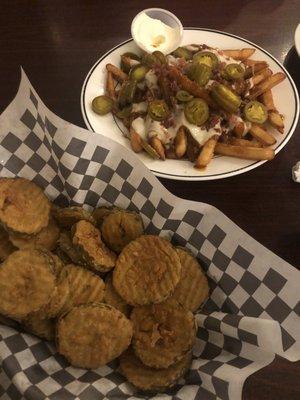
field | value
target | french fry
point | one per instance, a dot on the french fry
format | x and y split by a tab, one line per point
190	86
156	143
241	54
180	142
118	74
267	99
206	153
262	75
239	129
267	84
262	135
249	153
276	120
251	63
110	86
135	141
244	142
255	68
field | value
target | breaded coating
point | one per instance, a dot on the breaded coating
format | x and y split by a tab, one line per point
121	227
27	282
92	335
68	216
67	250
86	239
147	271
24	208
101	212
112	298
192	289
39	326
162	333
150	379
47	237
6	247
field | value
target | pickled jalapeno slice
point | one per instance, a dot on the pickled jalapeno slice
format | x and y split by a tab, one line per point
102	105
206	57
255	112
234	72
183	96
133	56
200	73
182	52
226	98
127	92
124	113
160	57
150	60
158	110
138	72
196	111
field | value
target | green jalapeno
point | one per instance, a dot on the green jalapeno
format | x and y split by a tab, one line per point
160	57
200	73
182	52
184	96
150	150
196	111
127	93
150	60
226	98
124	113
138	72
125	67
255	112
206	57
233	72
102	105
158	110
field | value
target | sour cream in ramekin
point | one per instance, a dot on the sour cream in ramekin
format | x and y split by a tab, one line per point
156	29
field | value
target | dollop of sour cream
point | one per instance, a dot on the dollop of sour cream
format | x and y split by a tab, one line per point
152	34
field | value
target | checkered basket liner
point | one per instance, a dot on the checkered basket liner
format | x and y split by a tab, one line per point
252	312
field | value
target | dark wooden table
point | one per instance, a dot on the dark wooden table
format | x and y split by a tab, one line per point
57	42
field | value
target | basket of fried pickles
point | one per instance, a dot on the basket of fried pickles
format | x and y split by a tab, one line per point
194	103
98	286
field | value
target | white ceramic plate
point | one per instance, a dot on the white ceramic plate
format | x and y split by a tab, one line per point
285	96
297	39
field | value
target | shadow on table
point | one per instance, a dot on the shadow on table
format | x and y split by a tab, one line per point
292	64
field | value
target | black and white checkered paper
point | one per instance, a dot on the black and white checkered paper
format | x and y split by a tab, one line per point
253	310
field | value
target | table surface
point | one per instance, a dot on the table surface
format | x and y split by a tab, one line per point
57	42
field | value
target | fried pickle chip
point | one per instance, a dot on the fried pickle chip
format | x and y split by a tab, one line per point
6	247
192	289
147	271
112	298
121	227
86	239
101	212
27	282
68	216
67	249
162	333
60	299
92	335
150	379
40	326
24	208
47	237
85	287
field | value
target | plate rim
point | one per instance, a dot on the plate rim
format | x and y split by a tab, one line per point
238	171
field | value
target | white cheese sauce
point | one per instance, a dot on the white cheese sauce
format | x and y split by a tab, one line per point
151	80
